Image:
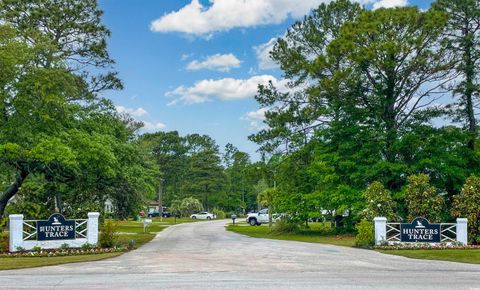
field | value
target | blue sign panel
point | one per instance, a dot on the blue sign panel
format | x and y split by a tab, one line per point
55	228
420	230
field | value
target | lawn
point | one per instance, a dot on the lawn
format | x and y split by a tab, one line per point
471	256
137	227
313	235
17	263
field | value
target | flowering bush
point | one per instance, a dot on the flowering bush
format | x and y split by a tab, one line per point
378	202
426	246
61	252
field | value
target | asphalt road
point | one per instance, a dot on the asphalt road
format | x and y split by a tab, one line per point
205	256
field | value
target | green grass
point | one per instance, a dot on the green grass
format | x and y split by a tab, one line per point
137	227
138	239
313	235
471	256
173	221
17	263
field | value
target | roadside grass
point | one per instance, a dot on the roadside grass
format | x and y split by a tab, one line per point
312	235
173	221
137	227
18	263
471	256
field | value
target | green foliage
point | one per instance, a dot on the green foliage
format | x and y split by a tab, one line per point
219	213
108	234
365	237
379	203
467	205
422	199
36	249
4	240
64	246
189	206
284	226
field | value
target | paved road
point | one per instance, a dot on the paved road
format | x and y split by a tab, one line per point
205	256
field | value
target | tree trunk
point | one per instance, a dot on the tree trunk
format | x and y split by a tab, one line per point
270	216
12	190
469	89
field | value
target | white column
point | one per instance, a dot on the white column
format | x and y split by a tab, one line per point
462	231
92	231
380	229
16	232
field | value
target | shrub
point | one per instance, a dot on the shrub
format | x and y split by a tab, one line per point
4	242
422	199
87	246
284	226
36	249
379	202
188	206
365	237
131	245
64	246
108	235
467	205
219	213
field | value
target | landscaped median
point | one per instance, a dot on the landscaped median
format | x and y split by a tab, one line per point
128	235
319	233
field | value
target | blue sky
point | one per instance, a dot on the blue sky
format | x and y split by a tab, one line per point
193	66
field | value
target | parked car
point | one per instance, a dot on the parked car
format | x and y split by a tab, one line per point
203	216
261	217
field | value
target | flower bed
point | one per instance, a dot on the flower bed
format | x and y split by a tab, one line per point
426	246
61	252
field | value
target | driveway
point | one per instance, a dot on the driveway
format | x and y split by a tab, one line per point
205	256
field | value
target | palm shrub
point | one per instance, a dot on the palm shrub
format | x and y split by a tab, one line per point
467	204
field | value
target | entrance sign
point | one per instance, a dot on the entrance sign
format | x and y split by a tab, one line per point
420	230
55	228
52	233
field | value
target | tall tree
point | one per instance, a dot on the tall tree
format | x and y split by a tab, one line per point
398	65
463	40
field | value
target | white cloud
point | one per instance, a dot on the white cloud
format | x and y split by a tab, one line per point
222	89
134	112
389	4
263	55
222	15
255	118
151	127
218	62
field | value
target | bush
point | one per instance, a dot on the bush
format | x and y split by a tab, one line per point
422	199
467	205
87	246
109	235
379	202
284	226
64	246
219	213
36	249
4	242
365	237
131	245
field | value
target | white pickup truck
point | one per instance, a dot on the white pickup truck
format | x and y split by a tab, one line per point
258	218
